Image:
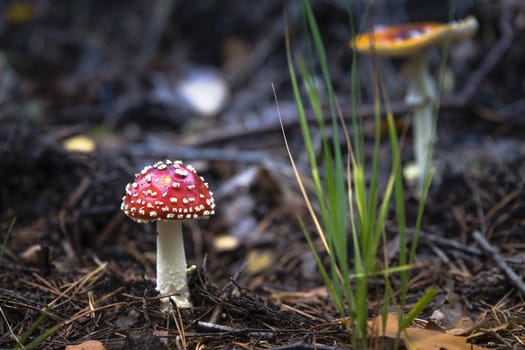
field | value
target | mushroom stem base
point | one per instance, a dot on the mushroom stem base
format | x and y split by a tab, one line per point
171	265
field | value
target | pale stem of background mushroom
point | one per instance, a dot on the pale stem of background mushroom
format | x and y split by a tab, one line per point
422	92
171	264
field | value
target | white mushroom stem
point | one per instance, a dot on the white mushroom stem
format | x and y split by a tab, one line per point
171	265
422	93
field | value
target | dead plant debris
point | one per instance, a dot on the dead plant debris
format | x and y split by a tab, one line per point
74	273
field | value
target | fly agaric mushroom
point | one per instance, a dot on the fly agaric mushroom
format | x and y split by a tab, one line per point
169	192
413	41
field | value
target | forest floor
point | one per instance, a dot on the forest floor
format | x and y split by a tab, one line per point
74	268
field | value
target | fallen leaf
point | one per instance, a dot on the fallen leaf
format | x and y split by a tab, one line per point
226	243
19	12
87	345
422	339
79	143
259	260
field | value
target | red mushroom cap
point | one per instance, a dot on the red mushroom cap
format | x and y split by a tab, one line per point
167	191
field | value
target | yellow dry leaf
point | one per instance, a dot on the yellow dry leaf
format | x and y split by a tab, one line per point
79	143
259	260
19	12
422	339
87	345
226	243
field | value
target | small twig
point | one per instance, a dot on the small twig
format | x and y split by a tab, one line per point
496	335
442	241
447	242
259	333
503	203
301	345
515	280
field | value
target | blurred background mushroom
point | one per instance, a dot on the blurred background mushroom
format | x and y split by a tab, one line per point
413	41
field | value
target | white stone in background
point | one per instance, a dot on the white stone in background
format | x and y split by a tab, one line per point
204	90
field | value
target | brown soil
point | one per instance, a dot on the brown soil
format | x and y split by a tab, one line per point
75	268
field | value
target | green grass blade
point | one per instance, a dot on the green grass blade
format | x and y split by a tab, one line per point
37	341
416	310
43	315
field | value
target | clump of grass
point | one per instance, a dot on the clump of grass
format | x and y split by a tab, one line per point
353	206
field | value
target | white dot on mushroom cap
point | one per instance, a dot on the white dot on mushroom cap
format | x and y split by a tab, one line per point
134	185
148	178
173	200
145	170
150	193
153	214
170	216
161	166
142	211
180	216
175	184
166	208
181	172
191	187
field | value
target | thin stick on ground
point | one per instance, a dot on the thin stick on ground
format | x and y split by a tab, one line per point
515	280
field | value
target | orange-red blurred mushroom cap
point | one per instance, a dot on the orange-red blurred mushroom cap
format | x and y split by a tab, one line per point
409	39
